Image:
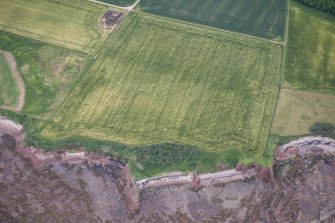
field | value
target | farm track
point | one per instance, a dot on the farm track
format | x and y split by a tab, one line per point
20	83
207	179
282	76
128	8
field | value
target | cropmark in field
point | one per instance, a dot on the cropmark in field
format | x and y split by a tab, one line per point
298	110
71	24
158	81
47	73
310	61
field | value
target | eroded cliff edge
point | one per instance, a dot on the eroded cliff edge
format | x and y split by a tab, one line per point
83	187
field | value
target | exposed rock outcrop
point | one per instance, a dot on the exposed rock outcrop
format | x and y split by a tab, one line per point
43	161
78	186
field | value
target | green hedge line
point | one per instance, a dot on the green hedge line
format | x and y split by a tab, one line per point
327	6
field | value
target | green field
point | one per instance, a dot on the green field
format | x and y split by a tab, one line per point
263	18
298	110
119	2
48	71
310	62
72	24
8	89
158	81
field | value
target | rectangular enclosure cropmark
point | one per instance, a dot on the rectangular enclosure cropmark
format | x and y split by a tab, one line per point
158	81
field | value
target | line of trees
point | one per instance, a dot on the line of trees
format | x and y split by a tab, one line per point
327	6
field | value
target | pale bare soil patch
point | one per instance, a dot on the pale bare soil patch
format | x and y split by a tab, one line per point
20	83
298	110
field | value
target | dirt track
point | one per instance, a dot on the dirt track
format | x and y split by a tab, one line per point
128	8
20	84
205	179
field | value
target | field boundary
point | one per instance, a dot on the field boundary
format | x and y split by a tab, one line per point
209	27
281	78
82	133
286	41
276	105
88	66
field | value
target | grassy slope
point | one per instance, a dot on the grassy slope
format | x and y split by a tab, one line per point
264	18
119	2
71	24
47	71
311	50
297	111
162	81
8	89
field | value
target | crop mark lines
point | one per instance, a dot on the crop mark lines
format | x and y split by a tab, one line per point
157	80
274	79
110	75
149	50
157	74
177	77
201	98
107	96
139	84
161	80
181	118
71	25
214	94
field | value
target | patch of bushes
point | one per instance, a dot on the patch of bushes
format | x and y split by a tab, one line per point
165	154
327	6
324	129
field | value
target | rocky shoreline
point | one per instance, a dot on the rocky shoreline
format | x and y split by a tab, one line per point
306	146
298	188
40	160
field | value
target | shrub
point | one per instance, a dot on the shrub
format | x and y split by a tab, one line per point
165	154
324	129
327	6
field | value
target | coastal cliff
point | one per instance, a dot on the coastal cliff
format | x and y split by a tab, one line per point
77	186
